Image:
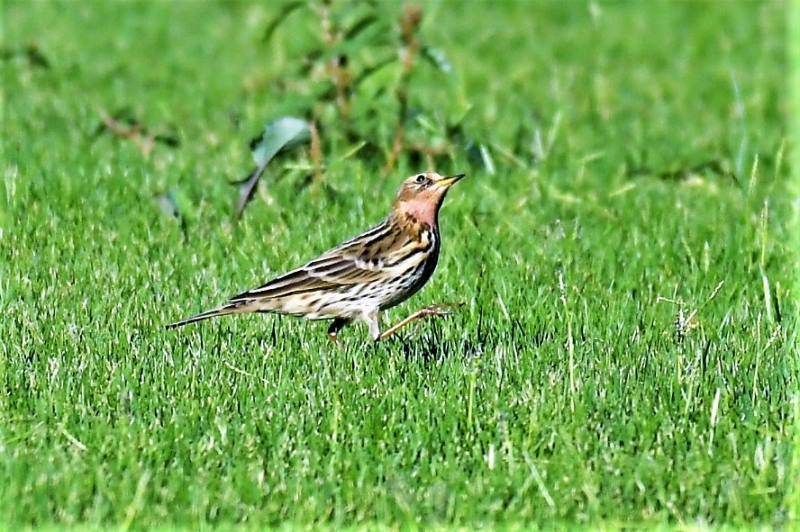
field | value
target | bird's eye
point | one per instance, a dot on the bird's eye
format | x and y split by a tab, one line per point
420	179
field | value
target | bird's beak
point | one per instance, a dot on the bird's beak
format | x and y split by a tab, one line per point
447	181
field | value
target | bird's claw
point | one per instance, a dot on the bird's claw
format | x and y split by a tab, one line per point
440	309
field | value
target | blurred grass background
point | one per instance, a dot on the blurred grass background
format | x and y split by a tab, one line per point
625	354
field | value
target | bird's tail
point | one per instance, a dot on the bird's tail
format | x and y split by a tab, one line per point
228	308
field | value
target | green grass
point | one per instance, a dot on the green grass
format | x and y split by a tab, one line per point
565	392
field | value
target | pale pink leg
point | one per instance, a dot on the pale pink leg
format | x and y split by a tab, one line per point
440	309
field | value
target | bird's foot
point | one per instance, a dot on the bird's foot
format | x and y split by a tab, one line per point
438	309
337	325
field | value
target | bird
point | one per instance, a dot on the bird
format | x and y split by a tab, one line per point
365	275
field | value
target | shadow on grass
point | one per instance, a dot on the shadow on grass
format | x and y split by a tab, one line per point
434	346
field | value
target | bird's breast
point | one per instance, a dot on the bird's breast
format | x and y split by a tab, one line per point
413	271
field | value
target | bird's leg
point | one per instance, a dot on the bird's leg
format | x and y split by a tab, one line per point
334	329
372	317
440	309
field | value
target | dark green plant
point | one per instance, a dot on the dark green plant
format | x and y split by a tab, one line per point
364	62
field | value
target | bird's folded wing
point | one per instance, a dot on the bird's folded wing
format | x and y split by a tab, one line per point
359	262
338	267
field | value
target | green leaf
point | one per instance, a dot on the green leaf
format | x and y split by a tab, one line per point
174	204
437	58
360	26
278	20
281	135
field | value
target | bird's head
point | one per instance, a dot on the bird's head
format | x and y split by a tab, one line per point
421	195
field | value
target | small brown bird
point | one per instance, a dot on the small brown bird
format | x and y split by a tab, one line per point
365	275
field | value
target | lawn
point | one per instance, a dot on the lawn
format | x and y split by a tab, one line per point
625	355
